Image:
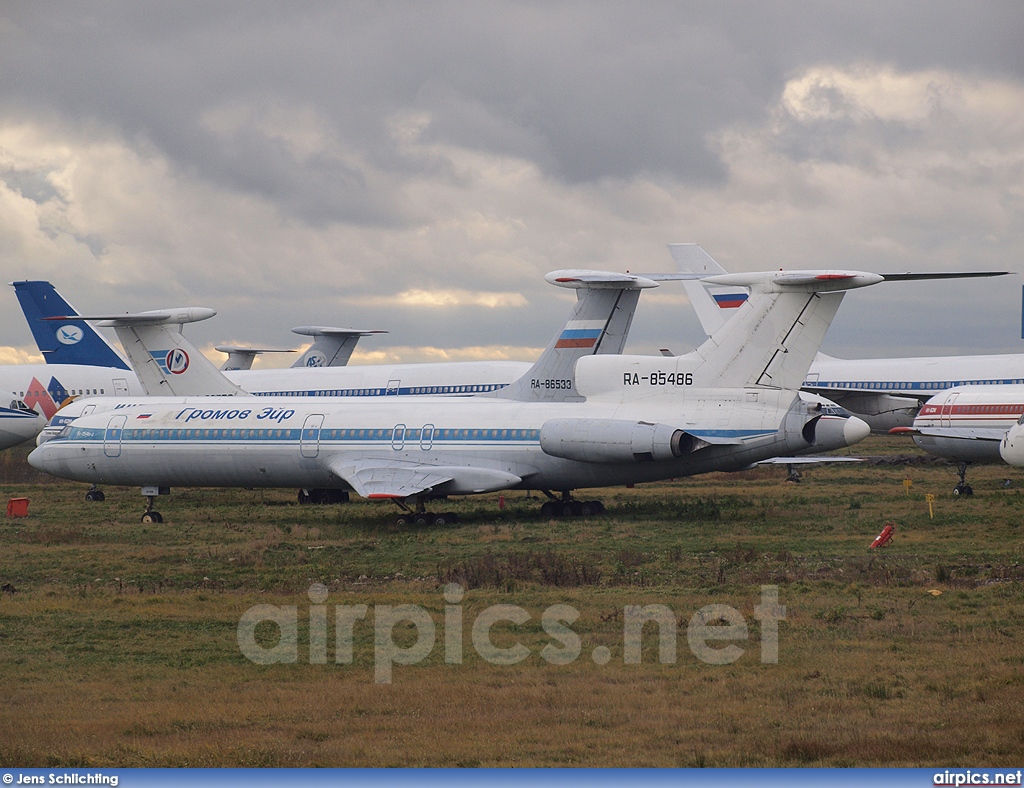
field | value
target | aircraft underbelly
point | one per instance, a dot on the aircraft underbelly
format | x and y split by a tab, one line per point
960	449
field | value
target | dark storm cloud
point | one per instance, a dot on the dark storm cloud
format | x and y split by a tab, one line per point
585	90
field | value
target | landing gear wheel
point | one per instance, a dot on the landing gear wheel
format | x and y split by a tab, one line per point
304	497
96	496
422	519
152	517
550	509
587	509
403	520
439	519
963	489
570	508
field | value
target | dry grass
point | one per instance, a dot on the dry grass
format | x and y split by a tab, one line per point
118	645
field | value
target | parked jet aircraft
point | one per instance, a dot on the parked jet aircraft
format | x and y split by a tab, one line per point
18	422
1011	448
608	420
968	424
885	392
332	347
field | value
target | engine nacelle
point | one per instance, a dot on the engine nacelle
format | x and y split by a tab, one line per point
613	440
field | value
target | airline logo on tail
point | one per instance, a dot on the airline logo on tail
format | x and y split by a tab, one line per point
171	362
580	334
45	400
70	335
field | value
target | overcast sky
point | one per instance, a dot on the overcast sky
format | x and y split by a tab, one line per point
418	167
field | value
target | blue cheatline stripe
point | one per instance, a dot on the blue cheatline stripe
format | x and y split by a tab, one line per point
9	413
882	386
730	433
466	389
445	436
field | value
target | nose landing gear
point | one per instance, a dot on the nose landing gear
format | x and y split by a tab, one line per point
151	515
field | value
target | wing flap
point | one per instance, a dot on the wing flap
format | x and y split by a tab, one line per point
401	479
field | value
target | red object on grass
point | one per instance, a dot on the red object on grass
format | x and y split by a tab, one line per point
17	507
883	538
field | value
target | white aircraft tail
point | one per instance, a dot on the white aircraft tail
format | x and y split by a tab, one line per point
332	347
713	307
599	325
774	339
166	363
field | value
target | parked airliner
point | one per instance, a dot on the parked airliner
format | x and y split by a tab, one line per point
601	420
18	422
968	424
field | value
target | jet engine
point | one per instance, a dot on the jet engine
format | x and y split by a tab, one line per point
613	440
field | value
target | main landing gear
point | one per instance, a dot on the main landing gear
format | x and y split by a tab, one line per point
320	496
962	487
568	507
94	493
150	493
421	516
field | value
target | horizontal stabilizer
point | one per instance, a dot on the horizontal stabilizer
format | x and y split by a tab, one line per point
580	278
332	347
176	316
944	275
241	358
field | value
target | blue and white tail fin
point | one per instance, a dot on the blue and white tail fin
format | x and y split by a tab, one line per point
68	341
165	362
714	305
332	347
599	325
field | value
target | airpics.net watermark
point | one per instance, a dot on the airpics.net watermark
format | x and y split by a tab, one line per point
711	624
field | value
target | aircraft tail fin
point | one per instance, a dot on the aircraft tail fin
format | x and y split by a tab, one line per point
599	324
165	362
332	347
69	341
241	357
713	306
774	339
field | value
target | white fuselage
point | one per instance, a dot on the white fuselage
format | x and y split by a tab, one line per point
887	392
44	387
302	442
968	423
18	422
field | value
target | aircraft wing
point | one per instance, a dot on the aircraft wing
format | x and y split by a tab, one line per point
960	433
802	460
401	479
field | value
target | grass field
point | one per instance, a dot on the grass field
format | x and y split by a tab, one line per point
118	640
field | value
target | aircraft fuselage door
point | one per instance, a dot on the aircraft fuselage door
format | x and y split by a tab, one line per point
112	436
309	440
947	410
120	387
393	387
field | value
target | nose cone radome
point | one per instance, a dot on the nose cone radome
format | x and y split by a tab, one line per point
855	430
1011	448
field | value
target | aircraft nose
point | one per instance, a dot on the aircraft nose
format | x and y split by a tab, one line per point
855	430
1011	447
